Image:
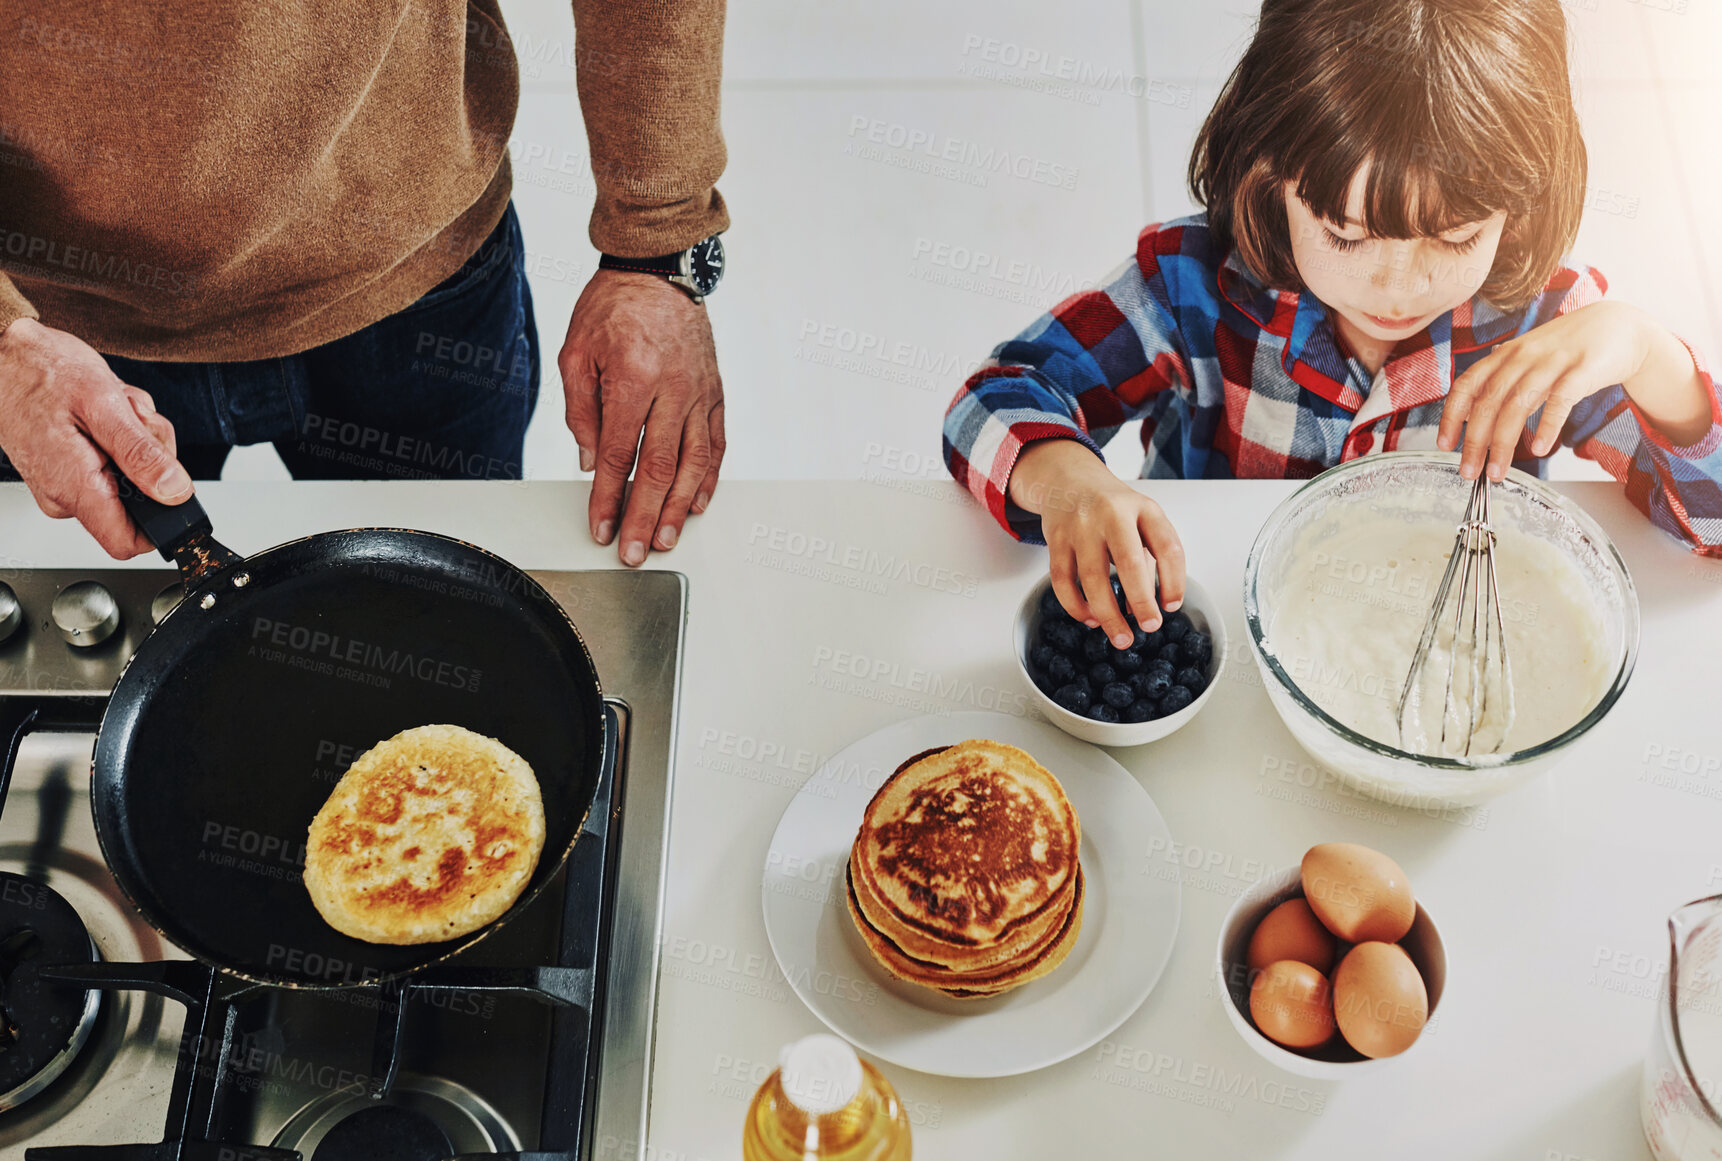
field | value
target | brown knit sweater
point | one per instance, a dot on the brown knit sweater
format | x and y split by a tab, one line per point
239	179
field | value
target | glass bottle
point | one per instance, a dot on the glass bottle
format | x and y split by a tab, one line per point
824	1103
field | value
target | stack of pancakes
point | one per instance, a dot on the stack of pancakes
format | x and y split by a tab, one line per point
964	876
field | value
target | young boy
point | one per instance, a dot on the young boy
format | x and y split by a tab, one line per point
1379	268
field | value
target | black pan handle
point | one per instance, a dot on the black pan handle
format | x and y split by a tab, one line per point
181	532
168	526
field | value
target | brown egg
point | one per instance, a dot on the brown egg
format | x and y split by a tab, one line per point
1379	999
1358	894
1292	1004
1291	931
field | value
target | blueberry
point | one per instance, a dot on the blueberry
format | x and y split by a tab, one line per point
1064	636
1191	678
1118	586
1040	656
1046	683
1117	695
1140	710
1061	669
1177	625
1148	644
1102	674
1051	606
1081	682
1196	648
1072	697
1176	699
1129	663
1101	712
1095	646
1156	680
1168	652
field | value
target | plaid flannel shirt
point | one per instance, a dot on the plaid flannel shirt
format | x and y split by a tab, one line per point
1232	379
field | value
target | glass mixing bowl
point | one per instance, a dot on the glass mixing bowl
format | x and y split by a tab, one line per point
1426	486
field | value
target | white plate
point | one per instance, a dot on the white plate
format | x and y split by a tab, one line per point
1129	913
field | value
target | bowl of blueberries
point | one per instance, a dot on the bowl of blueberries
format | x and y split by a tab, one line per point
1091	689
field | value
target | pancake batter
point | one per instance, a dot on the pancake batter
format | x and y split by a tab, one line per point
1352	607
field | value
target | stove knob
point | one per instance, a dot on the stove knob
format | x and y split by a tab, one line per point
11	613
86	614
164	602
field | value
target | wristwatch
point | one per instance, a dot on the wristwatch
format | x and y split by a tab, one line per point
696	270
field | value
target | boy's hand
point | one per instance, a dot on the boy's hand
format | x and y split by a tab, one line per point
1094	522
1557	365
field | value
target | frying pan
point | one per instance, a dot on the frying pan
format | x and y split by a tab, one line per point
232	721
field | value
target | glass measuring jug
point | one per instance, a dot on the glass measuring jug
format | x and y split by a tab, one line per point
1680	1097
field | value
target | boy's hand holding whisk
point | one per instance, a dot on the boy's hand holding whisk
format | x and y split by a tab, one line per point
1558	365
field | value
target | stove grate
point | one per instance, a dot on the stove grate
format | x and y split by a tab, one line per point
211	998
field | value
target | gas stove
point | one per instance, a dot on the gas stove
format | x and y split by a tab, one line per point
116	1046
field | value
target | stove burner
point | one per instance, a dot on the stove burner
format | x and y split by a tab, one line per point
43	1025
385	1133
348	1124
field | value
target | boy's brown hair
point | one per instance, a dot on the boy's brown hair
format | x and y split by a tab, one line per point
1461	108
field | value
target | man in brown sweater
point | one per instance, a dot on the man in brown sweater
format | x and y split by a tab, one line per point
226	222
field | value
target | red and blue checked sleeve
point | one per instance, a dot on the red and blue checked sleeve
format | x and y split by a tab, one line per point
1092	363
1679	488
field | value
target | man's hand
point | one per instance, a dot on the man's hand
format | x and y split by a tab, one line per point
641	379
63	414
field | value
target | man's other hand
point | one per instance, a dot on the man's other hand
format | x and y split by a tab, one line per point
640	374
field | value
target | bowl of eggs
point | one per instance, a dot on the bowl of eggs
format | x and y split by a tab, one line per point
1332	967
1095	691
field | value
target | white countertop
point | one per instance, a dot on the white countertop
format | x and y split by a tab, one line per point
1552	900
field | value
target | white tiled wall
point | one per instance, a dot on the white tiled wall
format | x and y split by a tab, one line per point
863	282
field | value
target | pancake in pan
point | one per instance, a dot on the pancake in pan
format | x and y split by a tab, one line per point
429	836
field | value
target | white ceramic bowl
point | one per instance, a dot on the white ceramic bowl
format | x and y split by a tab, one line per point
1203	614
1335	1060
1425	486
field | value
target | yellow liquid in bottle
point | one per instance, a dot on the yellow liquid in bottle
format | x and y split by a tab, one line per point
872	1127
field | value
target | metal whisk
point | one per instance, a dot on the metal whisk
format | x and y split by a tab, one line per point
1477	644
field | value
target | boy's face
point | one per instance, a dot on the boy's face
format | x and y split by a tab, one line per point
1388	288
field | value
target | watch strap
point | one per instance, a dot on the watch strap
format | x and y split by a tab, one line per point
662	264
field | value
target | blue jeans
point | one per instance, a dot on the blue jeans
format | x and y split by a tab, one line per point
443	389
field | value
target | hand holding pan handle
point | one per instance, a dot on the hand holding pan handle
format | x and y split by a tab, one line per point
181	532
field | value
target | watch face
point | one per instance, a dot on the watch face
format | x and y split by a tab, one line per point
705	264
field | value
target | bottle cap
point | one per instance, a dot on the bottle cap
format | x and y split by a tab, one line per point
821	1074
